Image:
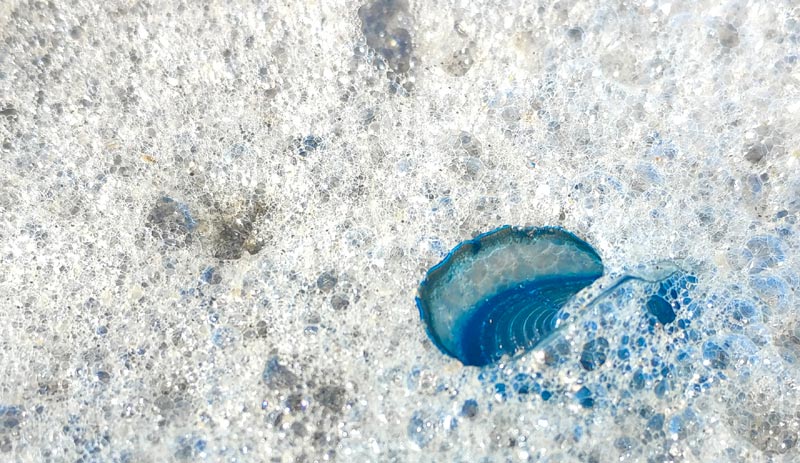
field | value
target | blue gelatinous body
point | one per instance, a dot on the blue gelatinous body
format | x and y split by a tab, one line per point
501	293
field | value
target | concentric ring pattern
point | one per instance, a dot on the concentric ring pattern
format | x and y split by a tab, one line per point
501	292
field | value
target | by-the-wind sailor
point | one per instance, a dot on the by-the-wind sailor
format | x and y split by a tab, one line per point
501	292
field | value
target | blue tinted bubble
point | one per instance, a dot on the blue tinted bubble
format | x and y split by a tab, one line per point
171	222
638	381
278	376
676	425
210	276
189	446
624	443
223	337
716	355
188	220
744	312
661	388
764	252
523	384
469	409
584	397
773	290
759	334
594	354
684	355
10	416
660	148
656	422
420	430
500	391
307	145
487	375
661	309
741	350
453	425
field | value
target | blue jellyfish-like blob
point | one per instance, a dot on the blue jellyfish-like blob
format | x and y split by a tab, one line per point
501	293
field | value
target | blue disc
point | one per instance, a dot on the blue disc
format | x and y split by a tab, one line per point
501	292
